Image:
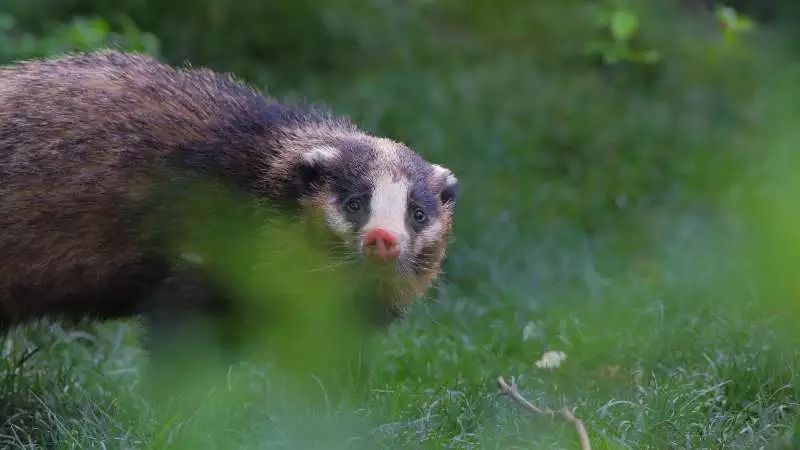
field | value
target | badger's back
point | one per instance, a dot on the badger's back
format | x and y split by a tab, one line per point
81	140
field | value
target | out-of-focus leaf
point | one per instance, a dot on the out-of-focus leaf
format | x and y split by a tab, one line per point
624	24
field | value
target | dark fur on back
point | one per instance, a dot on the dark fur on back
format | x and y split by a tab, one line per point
81	140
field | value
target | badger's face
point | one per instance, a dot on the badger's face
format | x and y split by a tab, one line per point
391	209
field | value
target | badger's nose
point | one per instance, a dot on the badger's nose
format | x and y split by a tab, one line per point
381	244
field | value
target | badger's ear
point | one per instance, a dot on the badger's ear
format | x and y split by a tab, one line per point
448	183
313	166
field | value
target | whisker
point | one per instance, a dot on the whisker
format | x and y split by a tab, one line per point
329	266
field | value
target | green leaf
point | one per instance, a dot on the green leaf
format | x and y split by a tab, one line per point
734	21
623	24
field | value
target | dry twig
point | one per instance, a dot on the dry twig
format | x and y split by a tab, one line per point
568	416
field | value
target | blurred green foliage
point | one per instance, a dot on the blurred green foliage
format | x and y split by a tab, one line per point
79	34
504	83
622	26
628	172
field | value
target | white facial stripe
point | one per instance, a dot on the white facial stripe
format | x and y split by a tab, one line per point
388	206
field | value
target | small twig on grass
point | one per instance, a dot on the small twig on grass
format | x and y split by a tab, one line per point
568	416
583	435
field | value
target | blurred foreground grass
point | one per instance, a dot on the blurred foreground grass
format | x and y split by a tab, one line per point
637	212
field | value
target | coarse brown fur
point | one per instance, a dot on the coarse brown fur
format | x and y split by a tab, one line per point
82	141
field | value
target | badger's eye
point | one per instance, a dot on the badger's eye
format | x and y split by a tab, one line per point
353	205
419	215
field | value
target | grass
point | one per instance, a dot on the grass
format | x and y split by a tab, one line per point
652	363
595	220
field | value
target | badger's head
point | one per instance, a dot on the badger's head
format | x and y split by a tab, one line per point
389	209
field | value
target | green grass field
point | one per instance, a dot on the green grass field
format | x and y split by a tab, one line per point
636	215
650	364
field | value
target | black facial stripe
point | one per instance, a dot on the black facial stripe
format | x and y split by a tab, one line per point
412	165
421	195
352	168
356	218
349	179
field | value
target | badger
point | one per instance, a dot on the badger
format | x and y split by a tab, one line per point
89	140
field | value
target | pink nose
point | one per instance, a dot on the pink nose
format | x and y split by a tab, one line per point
381	244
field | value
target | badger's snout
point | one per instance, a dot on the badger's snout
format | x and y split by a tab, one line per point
380	245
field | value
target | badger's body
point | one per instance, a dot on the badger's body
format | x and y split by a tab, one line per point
86	141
